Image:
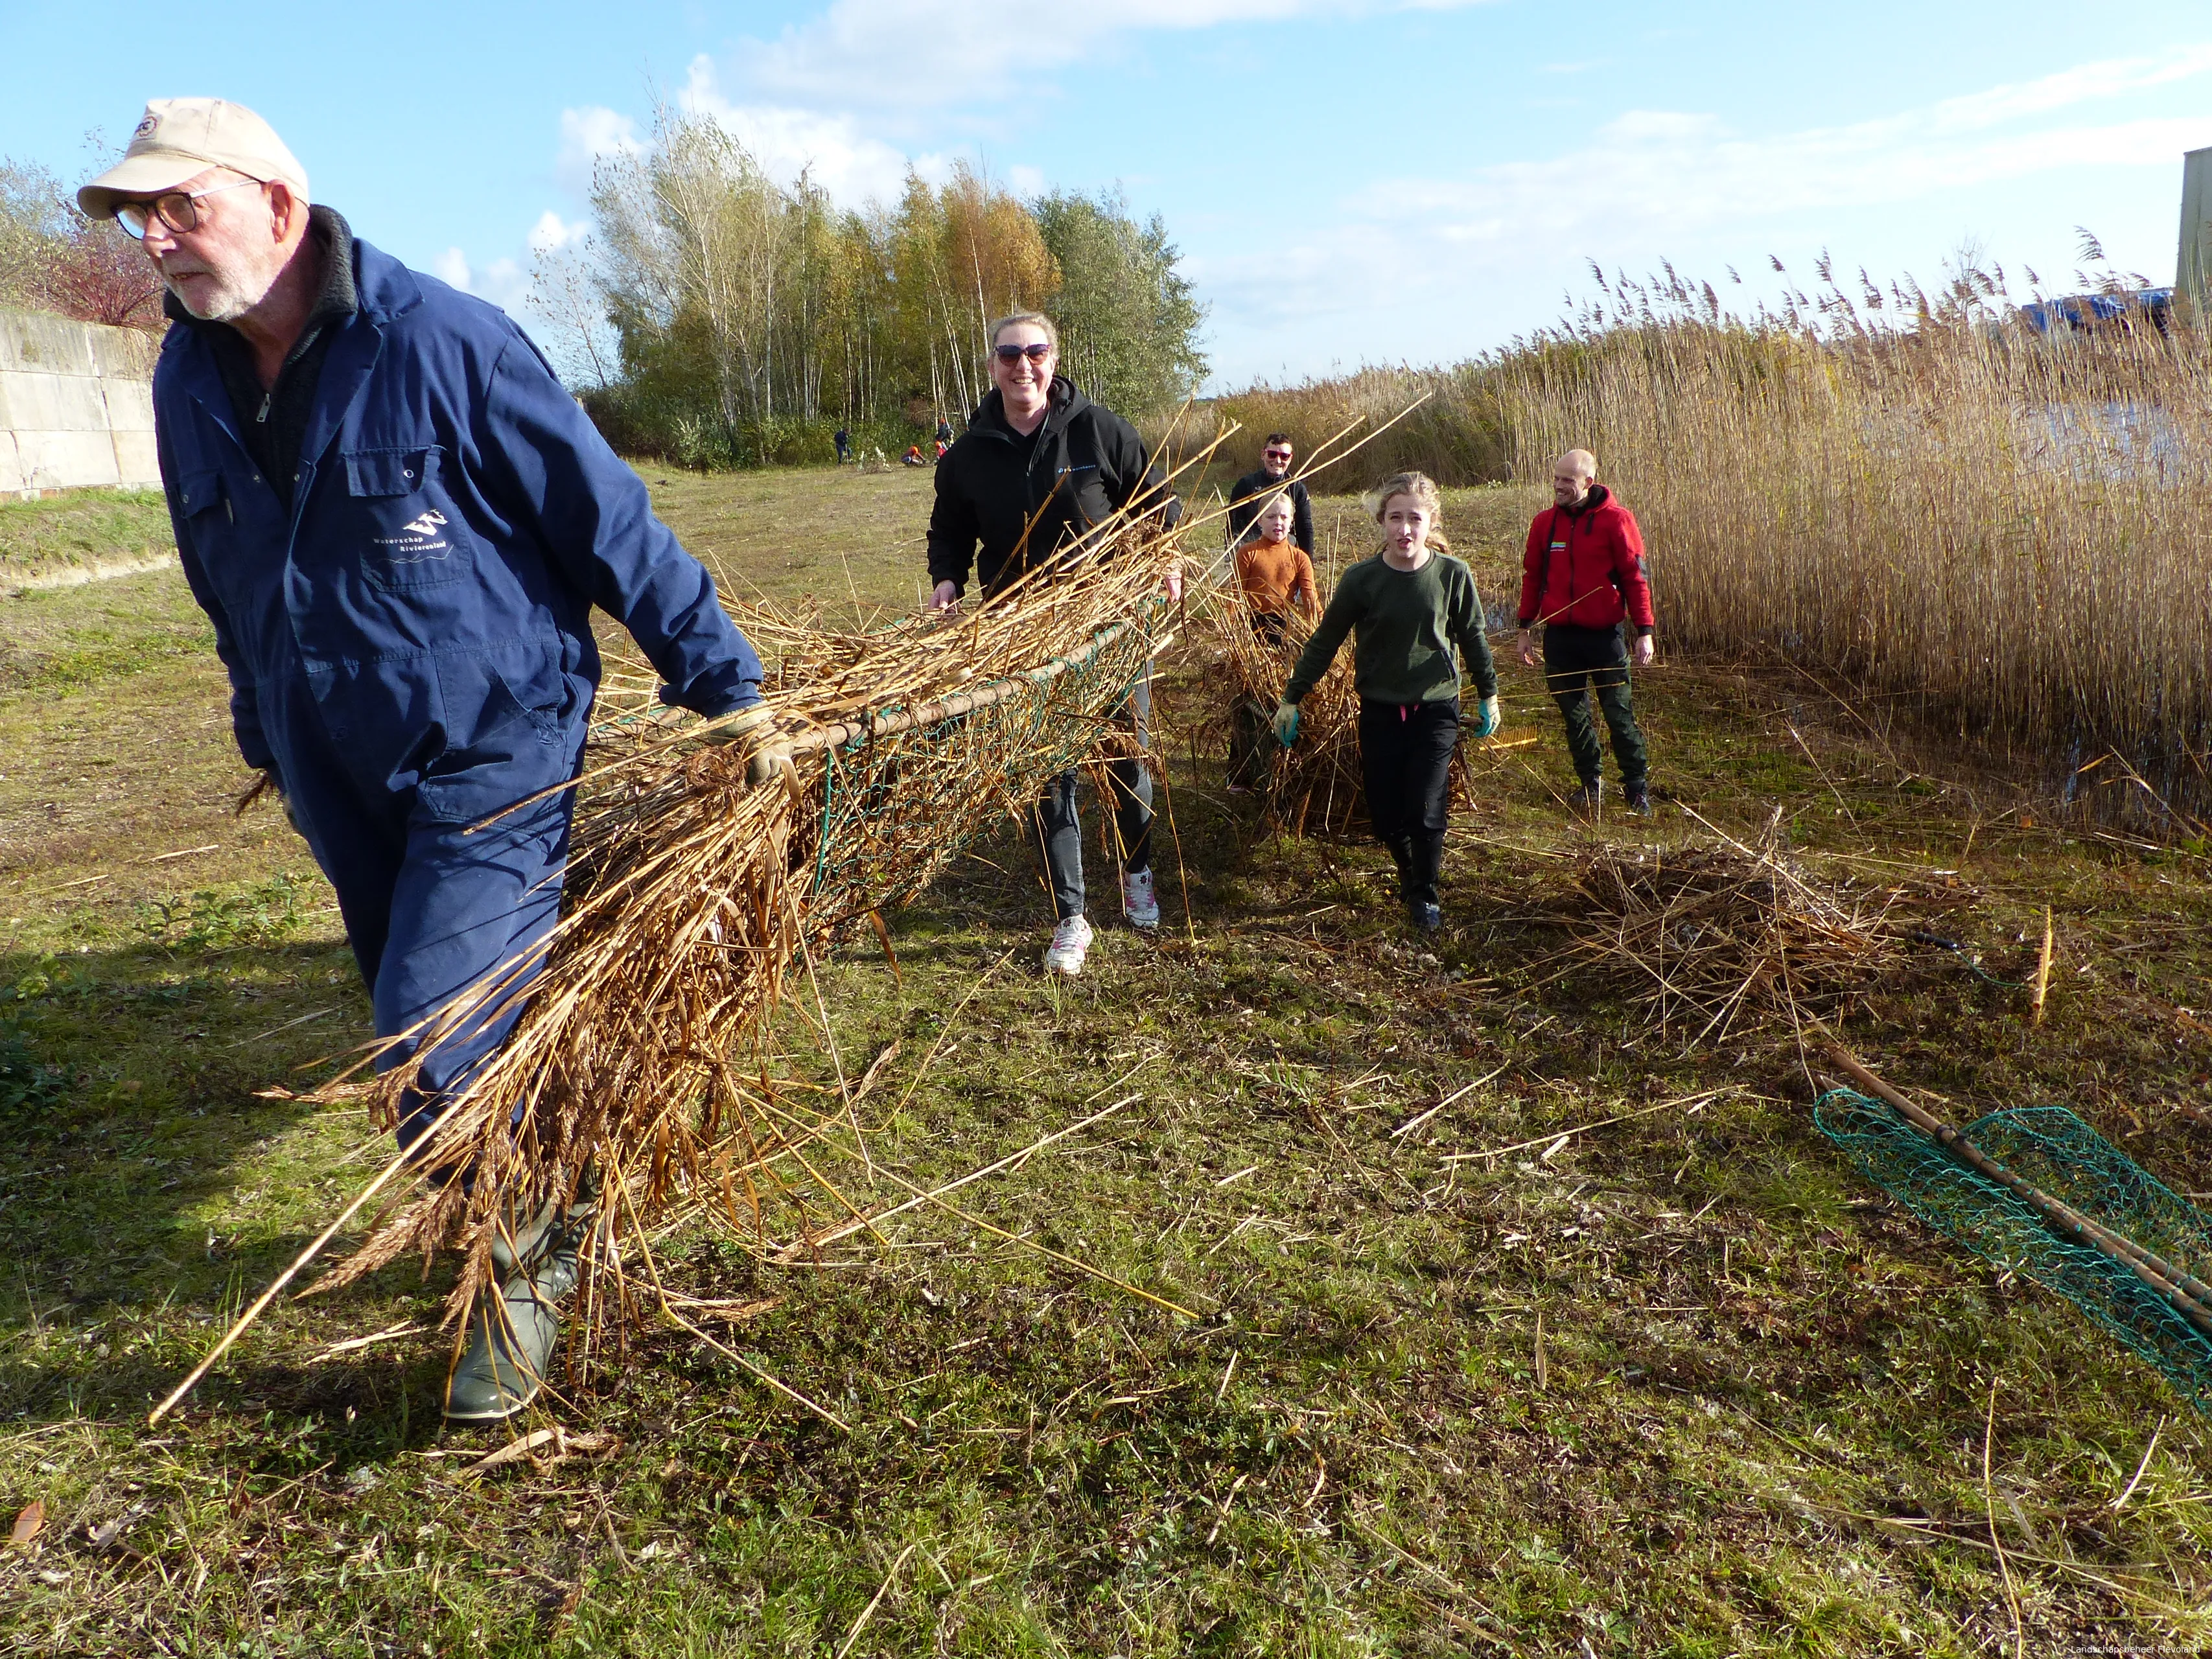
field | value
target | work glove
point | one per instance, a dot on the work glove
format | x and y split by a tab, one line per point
1485	720
1286	723
746	723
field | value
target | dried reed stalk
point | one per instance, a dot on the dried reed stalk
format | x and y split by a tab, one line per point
693	894
1723	938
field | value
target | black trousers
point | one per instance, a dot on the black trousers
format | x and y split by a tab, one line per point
1405	761
1578	661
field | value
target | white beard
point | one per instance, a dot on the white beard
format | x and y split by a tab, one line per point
231	300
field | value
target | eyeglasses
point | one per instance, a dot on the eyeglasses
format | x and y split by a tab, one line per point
1276	454
1037	351
178	210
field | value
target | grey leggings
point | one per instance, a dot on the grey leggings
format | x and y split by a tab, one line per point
1059	830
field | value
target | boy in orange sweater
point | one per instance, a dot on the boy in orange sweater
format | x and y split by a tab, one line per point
1274	573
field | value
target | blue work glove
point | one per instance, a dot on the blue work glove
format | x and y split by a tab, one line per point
1286	723
1485	720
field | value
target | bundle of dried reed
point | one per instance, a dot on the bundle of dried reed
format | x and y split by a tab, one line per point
701	873
1312	787
1724	938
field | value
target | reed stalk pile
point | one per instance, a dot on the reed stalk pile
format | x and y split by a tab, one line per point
1724	938
705	876
1313	787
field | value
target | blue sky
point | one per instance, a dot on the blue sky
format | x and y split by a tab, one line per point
1350	181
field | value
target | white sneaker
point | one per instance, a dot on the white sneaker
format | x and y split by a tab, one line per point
1070	941
1138	903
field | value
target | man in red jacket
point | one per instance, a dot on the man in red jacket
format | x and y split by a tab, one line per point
1581	577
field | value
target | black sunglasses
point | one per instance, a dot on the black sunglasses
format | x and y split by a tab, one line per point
1037	351
1276	454
178	210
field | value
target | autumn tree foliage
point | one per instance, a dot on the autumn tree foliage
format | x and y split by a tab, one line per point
52	257
718	317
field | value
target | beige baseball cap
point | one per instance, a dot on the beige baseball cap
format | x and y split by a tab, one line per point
179	138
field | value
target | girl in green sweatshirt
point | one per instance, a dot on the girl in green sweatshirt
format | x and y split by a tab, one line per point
1416	614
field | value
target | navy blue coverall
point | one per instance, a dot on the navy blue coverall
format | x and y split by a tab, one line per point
410	647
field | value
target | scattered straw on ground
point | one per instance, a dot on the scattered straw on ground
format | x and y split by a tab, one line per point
1726	938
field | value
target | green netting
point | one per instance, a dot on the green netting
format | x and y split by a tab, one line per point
2051	1149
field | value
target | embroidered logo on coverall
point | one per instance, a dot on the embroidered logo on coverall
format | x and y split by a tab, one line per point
418	540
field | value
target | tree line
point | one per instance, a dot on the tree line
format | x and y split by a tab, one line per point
716	317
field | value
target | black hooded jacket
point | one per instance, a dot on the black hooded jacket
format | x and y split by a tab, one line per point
1026	499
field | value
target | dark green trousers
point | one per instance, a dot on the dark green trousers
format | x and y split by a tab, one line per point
1578	661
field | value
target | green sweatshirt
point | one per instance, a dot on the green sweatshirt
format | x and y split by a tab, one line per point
1407	622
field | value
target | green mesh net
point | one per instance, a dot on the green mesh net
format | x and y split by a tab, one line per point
2051	1149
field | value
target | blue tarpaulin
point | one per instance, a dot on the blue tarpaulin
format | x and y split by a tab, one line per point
2086	310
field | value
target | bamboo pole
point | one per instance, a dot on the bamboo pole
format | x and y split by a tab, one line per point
2042	969
768	761
2187	1296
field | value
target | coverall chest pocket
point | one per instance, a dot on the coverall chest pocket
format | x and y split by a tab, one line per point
411	536
203	503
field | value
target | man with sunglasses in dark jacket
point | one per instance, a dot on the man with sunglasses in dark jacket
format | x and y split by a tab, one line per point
1039	467
399	522
1256	489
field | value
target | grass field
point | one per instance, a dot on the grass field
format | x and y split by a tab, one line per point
1678	1384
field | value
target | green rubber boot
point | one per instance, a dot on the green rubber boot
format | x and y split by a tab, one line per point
515	1322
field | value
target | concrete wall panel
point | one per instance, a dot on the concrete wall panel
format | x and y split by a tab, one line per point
76	405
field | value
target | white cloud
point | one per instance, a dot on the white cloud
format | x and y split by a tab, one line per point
831	149
1650	175
552	232
907	56
586	135
452	267
503	282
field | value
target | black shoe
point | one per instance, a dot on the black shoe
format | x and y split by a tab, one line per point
1587	799
1425	918
1638	798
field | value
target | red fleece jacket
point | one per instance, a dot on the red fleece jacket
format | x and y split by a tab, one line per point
1585	568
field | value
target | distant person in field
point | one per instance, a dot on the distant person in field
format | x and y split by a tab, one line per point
844	442
399	522
1038	468
913	456
944	434
1273	574
1419	623
1246	494
1583	577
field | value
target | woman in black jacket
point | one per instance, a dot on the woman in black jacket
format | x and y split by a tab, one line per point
1038	468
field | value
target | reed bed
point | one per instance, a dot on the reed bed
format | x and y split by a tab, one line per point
1728	937
704	876
1991	530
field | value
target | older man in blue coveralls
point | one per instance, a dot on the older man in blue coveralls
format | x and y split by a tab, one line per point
399	522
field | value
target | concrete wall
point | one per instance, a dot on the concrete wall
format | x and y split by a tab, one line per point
76	405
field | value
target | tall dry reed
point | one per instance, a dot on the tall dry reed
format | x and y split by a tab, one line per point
1995	531
2000	531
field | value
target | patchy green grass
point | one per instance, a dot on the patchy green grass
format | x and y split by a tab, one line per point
83	529
1680	1386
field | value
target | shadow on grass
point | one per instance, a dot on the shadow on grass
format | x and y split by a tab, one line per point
140	1165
